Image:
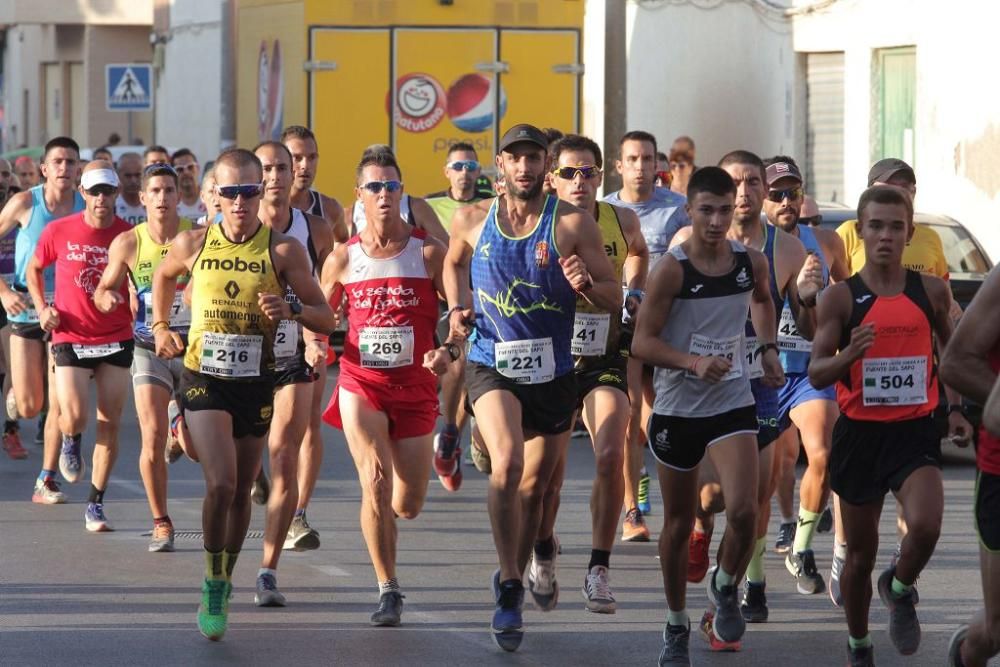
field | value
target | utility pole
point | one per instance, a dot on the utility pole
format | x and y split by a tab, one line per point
615	89
227	63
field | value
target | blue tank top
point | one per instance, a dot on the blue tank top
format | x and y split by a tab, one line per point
524	305
795	349
750	335
27	240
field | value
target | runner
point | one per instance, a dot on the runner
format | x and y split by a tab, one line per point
600	348
31	211
527	256
296	353
208	199
389	278
129	206
11	430
188	171
661	213
240	269
155	381
155	154
875	341
970	365
697	300
28	173
462	169
85	342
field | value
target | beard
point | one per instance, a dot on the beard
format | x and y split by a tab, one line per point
522	193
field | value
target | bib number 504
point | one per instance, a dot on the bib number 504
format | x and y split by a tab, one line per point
896	381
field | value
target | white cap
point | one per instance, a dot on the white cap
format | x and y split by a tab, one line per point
98	177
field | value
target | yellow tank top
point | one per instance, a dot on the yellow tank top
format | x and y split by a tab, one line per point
595	331
148	255
230	337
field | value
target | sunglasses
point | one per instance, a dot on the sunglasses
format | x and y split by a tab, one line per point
813	220
464	165
778	196
376	187
159	168
585	170
102	189
245	190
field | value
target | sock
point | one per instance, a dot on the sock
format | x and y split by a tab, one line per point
229	562
864	642
804	531
10	425
267	570
46	474
723	578
392	585
677	617
214	565
755	570
545	548
96	495
899	588
157	520
840	550
599	557
301	512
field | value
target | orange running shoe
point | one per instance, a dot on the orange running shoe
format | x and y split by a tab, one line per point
697	556
714	643
12	445
634	527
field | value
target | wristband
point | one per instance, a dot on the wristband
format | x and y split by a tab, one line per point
762	349
162	324
637	293
447	316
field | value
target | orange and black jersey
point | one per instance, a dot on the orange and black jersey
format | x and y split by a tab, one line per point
896	379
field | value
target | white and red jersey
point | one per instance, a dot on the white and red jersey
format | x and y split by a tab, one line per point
392	310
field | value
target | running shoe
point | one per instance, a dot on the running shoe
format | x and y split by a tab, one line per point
267	594
634	527
786	536
542	581
860	657
12	444
904	626
448	458
71	463
825	521
390	610
47	493
94	519
301	537
162	540
213	612
728	624
597	591
836	570
261	489
697	556
507	627
643	496
675	651
481	459
714	643
955	646
802	566
754	604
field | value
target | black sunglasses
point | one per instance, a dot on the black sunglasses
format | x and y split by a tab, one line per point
245	190
102	189
778	196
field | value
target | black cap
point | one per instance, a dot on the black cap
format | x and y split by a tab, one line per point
779	170
885	169
523	132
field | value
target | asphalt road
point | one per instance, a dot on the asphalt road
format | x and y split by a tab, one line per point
71	597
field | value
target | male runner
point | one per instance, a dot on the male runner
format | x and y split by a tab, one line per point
85	342
129	206
600	350
691	330
875	340
970	365
11	436
188	171
155	381
32	210
388	278
528	255
301	142
240	269
28	174
296	353
661	213
462	169
155	154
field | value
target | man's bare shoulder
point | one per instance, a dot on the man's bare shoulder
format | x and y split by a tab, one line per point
18	204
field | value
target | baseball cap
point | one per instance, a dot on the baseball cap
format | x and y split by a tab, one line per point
99	177
885	169
523	132
778	170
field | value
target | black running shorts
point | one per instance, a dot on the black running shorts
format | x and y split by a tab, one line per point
546	408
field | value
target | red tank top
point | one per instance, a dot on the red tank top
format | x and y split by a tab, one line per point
392	310
988	449
896	379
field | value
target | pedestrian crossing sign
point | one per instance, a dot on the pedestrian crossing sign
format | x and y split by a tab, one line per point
129	87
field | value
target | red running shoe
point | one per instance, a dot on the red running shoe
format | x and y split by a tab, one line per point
697	556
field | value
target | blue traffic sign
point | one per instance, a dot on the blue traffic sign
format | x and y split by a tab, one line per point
129	87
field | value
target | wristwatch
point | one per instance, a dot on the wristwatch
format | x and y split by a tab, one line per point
958	407
296	309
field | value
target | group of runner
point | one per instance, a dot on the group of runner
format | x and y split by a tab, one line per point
711	328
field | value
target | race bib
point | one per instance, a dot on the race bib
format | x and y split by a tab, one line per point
96	351
728	348
30	313
180	312
789	339
286	339
230	355
590	334
526	361
386	347
755	362
894	380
